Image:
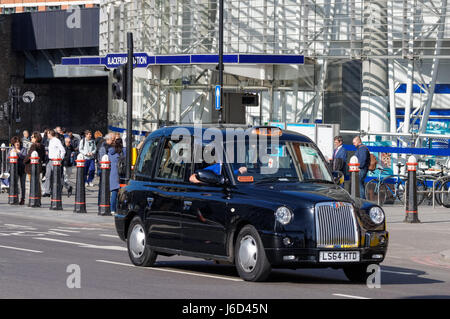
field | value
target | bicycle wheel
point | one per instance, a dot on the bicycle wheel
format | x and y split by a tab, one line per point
437	196
421	187
391	188
401	188
445	197
373	188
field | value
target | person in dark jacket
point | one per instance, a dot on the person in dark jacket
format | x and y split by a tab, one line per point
36	140
363	155
21	153
68	163
114	154
339	159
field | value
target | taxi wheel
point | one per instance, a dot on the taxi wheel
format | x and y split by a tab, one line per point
357	273
138	250
250	258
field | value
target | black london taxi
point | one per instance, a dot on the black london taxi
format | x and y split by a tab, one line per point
273	203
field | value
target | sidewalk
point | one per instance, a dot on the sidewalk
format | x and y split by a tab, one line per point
66	214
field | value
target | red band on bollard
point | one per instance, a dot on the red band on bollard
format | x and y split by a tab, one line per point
411	166
353	167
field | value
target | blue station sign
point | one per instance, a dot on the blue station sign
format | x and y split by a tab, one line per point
143	60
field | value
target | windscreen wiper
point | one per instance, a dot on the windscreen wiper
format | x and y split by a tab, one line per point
312	180
277	179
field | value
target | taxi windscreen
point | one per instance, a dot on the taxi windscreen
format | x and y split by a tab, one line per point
281	161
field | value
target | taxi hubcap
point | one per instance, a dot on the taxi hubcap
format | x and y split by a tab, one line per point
137	241
248	253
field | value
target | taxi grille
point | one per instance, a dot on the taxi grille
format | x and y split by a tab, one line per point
336	225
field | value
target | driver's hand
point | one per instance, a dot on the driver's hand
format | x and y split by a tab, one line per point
242	170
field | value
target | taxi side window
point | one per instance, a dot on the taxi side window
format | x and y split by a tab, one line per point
148	157
171	165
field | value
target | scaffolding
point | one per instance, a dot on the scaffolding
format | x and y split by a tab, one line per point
398	42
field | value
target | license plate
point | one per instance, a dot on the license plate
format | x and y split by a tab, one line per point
338	256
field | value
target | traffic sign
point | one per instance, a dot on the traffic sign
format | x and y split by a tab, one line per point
218	96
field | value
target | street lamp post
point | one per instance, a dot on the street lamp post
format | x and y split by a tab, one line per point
221	59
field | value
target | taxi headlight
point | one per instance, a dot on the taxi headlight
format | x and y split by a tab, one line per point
376	215
283	215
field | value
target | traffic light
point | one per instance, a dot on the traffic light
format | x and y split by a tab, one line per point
119	87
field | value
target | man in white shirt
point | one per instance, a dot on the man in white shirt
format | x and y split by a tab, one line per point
55	150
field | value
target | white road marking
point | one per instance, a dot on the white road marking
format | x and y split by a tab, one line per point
399	272
170	270
78	228
64	230
110	236
83	245
350	296
22	249
20	226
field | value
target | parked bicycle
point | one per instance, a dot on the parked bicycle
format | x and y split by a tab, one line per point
385	190
441	182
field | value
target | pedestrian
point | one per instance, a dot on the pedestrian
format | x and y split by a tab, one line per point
339	160
103	150
88	149
363	155
26	139
115	153
74	141
98	136
67	164
116	136
21	153
45	142
36	140
55	150
59	134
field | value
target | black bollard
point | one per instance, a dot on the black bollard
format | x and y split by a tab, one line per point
80	192
3	159
104	207
35	186
56	201
412	215
13	197
353	168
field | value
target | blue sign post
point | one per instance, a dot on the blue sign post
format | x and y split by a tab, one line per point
218	97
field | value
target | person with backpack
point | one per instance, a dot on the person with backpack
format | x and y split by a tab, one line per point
88	148
363	155
116	155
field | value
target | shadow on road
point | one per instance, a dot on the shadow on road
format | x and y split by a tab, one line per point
389	275
404	276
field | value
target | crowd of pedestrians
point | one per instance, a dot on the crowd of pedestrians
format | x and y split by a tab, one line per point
64	144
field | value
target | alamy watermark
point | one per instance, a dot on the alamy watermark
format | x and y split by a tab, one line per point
252	145
374	279
73	21
74	279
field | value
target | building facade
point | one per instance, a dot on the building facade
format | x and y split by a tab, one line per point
19	6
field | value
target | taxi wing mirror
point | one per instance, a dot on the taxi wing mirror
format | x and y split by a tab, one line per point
209	177
338	177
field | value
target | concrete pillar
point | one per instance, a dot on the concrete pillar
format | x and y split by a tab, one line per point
375	97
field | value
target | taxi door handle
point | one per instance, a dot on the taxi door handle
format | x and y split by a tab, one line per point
187	205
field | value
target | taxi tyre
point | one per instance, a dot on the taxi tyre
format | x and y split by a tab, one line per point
357	273
137	244
256	267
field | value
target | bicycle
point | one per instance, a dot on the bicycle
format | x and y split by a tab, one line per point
391	187
441	182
